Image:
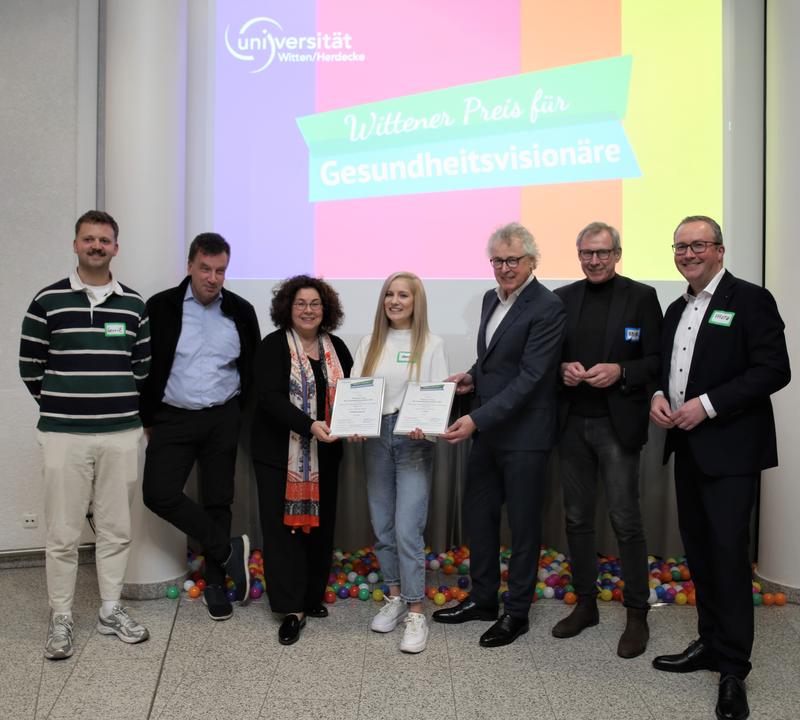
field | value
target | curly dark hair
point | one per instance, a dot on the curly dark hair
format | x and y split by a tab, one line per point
283	297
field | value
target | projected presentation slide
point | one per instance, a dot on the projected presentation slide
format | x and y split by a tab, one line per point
353	138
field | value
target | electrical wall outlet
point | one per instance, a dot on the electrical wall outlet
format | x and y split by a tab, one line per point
30	521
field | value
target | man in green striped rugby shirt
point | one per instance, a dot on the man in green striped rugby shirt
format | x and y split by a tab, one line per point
84	353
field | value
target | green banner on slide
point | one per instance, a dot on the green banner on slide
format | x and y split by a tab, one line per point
582	94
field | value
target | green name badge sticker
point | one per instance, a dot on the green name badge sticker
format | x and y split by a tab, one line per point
115	329
405	357
721	317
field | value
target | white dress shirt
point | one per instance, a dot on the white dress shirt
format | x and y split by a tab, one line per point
503	307
684	342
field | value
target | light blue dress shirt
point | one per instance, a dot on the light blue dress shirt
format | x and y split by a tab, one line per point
204	371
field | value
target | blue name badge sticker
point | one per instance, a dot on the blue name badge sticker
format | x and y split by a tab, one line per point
633	334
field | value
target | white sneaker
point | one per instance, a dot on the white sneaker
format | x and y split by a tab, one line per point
390	614
415	635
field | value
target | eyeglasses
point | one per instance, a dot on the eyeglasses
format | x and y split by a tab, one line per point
302	304
602	255
698	246
511	262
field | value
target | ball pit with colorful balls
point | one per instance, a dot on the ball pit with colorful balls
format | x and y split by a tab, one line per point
357	575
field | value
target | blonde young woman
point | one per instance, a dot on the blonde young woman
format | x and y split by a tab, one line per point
400	349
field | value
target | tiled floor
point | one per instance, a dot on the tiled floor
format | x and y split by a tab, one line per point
193	667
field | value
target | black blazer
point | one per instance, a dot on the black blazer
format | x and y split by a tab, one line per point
515	377
275	415
635	306
739	367
166	318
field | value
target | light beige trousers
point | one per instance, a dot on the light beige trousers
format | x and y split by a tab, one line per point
79	468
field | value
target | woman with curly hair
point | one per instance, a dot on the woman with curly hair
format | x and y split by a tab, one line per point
295	458
398	467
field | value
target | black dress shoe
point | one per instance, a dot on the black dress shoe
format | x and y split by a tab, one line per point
697	656
289	631
464	612
504	631
318	611
732	701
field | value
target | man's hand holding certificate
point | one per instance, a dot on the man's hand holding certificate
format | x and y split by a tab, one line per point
425	406
357	407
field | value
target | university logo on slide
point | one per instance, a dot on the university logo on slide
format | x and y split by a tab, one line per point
254	43
261	40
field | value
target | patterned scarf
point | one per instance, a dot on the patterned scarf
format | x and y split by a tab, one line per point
301	508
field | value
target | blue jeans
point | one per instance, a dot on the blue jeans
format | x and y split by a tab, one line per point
398	489
589	450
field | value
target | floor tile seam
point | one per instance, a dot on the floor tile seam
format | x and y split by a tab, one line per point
365	634
539	678
163	661
449	668
282	649
627	676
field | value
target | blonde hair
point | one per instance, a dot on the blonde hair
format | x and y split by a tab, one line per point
419	325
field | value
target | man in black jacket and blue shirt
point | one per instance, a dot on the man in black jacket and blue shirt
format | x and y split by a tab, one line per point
723	355
203	341
609	363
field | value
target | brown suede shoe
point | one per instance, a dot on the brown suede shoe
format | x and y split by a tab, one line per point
584	615
633	641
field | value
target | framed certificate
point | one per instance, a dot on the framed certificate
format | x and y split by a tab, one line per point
426	406
357	407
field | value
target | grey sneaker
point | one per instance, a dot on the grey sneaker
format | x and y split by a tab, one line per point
59	637
122	625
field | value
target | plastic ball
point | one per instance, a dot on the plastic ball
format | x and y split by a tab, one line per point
768	599
363	593
343	592
605	595
201	584
463	568
570	598
193	592
188	585
377	595
330	597
255	591
173	592
463	582
505	596
681	598
434	565
353	591
757	598
372	578
439	599
230	593
780	599
548	592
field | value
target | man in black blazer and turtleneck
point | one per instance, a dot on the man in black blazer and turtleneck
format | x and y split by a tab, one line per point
609	363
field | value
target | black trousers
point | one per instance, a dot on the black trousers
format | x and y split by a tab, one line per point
296	564
180	438
714	519
517	478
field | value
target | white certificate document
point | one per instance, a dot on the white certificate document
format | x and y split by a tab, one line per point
357	407
426	406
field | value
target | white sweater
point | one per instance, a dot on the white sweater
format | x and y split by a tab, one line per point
393	365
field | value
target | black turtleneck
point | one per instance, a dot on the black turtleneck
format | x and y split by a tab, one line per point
588	401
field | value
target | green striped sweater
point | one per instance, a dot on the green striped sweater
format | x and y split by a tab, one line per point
85	365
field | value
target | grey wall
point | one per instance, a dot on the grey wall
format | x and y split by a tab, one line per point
47	146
